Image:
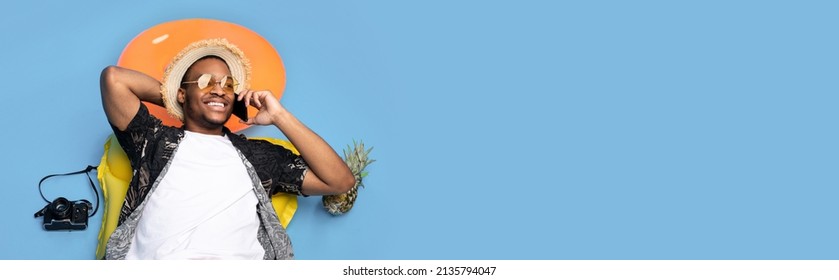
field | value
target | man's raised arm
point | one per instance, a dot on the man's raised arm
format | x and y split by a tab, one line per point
328	174
122	90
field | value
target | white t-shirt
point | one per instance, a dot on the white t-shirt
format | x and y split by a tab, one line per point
203	208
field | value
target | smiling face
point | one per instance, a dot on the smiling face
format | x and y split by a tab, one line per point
205	110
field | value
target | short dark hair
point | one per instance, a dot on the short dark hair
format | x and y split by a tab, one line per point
188	70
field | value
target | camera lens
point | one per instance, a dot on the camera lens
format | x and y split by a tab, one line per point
60	208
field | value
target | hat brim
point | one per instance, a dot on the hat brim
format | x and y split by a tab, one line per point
232	55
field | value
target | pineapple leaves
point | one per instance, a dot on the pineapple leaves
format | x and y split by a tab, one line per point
357	159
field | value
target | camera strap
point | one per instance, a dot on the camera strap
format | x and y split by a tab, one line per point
86	171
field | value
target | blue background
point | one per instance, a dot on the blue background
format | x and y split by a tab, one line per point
502	129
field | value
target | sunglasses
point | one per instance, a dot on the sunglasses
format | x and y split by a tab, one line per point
205	82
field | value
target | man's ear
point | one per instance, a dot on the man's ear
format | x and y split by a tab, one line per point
181	95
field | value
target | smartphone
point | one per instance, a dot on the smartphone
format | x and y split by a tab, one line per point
240	109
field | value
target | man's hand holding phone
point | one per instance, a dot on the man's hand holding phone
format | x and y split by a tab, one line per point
269	108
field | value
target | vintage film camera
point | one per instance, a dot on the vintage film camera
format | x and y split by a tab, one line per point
63	214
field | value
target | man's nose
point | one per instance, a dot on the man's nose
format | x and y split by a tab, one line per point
217	90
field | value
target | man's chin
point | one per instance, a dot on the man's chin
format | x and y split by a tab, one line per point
217	117
210	120
216	122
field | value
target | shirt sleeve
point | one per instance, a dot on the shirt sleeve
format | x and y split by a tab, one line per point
279	169
136	135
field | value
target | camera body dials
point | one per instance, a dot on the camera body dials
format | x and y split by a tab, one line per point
63	214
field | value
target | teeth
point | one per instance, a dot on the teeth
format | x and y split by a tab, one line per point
217	104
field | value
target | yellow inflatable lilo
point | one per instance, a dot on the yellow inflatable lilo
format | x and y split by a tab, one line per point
114	174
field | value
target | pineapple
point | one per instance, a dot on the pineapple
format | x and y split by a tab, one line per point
357	160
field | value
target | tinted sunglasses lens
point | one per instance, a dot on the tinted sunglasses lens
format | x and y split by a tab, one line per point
204	81
228	84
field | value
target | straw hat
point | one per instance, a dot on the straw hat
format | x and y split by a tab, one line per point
240	69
